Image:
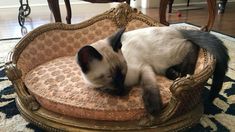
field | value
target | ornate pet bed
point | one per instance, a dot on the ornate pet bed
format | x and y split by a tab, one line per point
52	95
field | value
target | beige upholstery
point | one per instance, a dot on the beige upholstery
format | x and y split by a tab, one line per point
58	43
59	87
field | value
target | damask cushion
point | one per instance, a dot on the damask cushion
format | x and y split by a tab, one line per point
60	42
58	86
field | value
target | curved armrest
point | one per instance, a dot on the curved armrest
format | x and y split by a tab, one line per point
188	83
186	91
211	10
14	75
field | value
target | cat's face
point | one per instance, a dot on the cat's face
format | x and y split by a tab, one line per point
103	65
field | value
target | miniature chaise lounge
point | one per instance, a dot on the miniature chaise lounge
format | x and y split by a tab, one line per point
52	95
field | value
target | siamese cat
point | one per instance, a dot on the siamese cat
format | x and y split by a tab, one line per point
123	60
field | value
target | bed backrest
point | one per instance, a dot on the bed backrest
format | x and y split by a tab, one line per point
55	40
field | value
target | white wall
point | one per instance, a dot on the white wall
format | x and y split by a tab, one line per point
16	3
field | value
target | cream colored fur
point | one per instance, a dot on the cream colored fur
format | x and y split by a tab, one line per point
154	48
157	47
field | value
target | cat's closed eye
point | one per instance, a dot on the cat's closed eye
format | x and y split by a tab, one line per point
109	76
100	76
103	76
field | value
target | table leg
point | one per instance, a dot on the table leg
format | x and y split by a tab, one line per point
162	12
170	5
69	12
128	2
55	9
222	5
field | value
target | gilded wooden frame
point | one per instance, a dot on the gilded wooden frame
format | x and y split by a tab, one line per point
177	115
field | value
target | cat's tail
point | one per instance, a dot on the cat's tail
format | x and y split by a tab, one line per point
216	47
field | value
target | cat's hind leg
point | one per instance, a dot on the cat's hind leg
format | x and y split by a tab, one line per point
173	72
189	62
187	66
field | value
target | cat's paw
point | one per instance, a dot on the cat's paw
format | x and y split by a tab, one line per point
115	92
152	101
147	121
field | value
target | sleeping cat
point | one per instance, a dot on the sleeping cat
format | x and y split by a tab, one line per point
122	60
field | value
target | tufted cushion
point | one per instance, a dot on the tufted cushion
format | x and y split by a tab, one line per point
57	43
58	86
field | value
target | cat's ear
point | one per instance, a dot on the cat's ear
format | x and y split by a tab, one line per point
86	55
115	39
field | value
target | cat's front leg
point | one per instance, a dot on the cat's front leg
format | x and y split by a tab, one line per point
151	96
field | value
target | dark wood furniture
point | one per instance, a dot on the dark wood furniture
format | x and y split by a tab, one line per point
211	10
171	3
221	5
55	9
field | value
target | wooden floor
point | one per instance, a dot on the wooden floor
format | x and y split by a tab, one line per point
9	27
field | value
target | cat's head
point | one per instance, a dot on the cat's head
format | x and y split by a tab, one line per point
103	65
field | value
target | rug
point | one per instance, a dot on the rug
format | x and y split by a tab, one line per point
219	117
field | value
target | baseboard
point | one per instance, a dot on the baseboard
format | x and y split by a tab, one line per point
197	3
88	5
154	4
